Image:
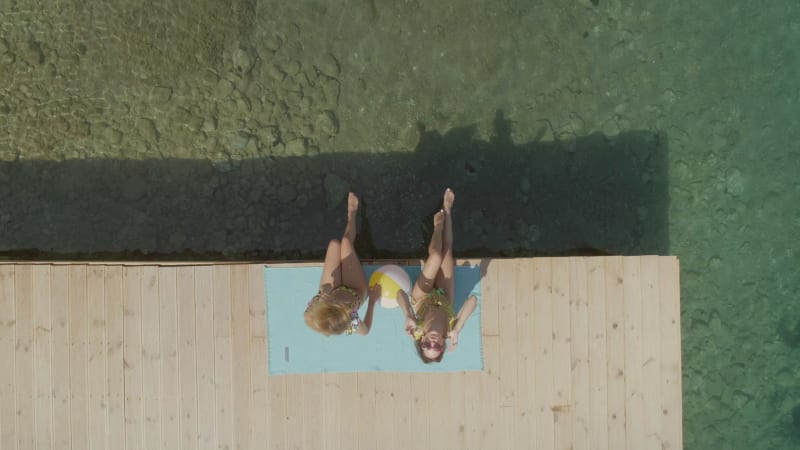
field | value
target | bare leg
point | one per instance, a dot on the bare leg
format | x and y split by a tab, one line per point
352	273
445	278
331	269
424	283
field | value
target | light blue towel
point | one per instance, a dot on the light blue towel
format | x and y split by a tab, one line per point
295	348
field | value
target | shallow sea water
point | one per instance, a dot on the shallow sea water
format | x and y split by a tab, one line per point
234	129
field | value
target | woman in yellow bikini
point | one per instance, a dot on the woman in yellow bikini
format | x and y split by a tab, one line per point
343	286
432	320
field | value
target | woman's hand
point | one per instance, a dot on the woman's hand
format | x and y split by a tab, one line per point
453	336
374	293
411	326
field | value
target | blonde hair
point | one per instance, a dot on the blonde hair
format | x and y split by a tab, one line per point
327	318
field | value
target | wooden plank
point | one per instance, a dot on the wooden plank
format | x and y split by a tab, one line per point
276	409
563	414
526	380
295	412
490	309
365	404
598	386
23	364
403	412
78	357
258	303
132	354
384	410
492	425
634	406
114	356
456	429
311	421
259	404
168	347
348	392
240	333
59	288
204	337
473	410
506	288
442	432
187	365
579	323
7	336
151	358
670	319
651	353
43	365
419	419
543	358
95	294
615	341
223	357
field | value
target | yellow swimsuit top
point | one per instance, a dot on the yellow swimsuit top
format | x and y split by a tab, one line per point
435	299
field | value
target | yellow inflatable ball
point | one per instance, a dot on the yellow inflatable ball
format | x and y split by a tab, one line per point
392	279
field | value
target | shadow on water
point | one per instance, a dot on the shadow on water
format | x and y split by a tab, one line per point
586	196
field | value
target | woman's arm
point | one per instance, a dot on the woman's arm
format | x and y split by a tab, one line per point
461	318
374	296
402	300
411	320
466	310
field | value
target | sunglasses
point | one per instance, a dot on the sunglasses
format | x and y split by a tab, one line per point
428	345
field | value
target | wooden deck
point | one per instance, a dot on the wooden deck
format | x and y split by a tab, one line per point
579	353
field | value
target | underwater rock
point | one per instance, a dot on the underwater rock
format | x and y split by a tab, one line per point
113	135
160	94
330	90
327	123
239	141
734	182
789	331
243	60
296	147
31	52
147	129
223	89
275	73
292	68
328	65
272	43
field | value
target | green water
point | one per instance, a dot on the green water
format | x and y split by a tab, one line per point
234	129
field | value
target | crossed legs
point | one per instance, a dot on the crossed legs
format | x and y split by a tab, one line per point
439	267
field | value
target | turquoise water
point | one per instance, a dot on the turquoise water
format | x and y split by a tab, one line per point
178	129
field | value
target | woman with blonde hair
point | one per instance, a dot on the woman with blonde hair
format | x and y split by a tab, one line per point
342	287
432	320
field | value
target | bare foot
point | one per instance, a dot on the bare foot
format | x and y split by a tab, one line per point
449	196
352	204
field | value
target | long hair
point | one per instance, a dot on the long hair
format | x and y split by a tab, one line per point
327	318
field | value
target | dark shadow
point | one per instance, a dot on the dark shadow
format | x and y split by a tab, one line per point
590	195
